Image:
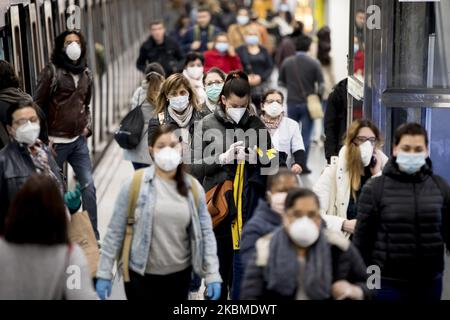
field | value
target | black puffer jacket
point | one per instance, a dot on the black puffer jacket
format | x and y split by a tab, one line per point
403	223
263	222
15	168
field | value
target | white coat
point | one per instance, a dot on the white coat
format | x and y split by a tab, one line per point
333	189
287	138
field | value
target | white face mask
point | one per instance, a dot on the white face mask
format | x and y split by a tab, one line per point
168	159
304	232
236	114
366	150
242	20
277	201
195	72
180	103
274	109
73	51
28	133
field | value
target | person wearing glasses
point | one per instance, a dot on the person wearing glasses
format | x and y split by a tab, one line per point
24	155
213	81
340	184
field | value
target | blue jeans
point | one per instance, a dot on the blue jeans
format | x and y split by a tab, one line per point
299	112
77	155
238	274
410	291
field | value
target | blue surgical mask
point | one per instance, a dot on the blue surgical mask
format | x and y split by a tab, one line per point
242	20
213	92
356	48
410	163
252	40
222	47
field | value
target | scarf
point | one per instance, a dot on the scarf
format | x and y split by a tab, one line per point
272	124
65	63
182	119
13	95
283	267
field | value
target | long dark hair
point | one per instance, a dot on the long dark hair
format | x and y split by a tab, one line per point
8	77
179	176
324	48
59	57
236	83
37	214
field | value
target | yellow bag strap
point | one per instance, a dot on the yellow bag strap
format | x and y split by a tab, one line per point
194	191
132	200
238	188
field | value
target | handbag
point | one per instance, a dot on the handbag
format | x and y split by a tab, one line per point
217	201
313	103
82	233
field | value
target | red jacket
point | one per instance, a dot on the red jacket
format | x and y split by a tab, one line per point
226	63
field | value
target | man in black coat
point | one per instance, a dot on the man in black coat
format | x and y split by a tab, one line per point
403	221
160	48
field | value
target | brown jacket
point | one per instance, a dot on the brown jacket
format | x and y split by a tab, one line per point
66	106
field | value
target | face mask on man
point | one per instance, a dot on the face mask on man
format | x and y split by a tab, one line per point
277	201
304	232
195	72
180	103
274	109
242	20
168	159
73	51
366	150
222	47
28	133
411	163
236	114
213	92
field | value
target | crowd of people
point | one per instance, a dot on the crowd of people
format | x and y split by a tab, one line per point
216	197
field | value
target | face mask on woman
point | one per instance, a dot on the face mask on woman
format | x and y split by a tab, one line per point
213	92
242	20
366	150
304	232
73	51
179	104
252	40
410	163
28	133
222	47
236	114
195	72
168	159
277	201
274	109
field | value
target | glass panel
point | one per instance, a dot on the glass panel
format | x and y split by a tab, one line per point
421	44
357	54
2	51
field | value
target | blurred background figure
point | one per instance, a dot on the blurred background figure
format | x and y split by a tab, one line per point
38	260
222	56
193	71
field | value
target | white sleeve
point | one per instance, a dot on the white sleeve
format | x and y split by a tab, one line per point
333	222
322	188
297	139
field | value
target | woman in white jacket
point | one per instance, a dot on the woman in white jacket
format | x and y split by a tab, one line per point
284	132
341	182
145	97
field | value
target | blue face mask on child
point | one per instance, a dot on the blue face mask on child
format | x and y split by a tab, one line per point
410	163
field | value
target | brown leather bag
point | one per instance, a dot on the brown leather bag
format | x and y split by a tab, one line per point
217	203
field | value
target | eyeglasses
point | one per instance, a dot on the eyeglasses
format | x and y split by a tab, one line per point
217	82
21	122
360	140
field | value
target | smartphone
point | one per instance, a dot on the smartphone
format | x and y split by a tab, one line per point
373	162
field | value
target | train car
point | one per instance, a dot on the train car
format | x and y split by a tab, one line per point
114	30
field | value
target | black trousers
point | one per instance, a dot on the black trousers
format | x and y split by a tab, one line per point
171	287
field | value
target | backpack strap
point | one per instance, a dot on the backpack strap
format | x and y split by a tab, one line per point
197	36
211	32
132	200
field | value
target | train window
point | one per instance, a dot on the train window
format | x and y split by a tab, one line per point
2	51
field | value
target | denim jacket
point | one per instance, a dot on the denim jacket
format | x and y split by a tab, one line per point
203	243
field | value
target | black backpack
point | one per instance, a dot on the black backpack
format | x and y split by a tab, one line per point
129	133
